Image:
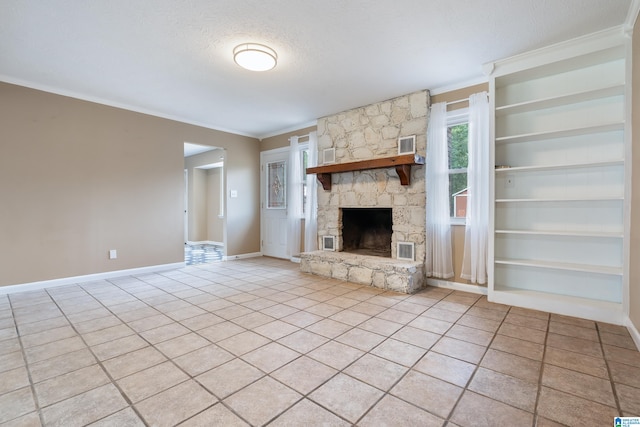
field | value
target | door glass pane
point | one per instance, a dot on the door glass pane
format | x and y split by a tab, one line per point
276	181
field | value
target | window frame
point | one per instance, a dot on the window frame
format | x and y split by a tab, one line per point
454	118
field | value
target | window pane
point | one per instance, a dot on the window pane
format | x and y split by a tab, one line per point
458	159
305	160
458	195
458	148
276	180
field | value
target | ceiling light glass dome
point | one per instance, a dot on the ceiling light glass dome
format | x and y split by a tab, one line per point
255	57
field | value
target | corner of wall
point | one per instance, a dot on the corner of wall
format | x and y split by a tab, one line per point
634	245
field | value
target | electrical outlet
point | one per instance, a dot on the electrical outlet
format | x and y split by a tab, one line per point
113	254
509	181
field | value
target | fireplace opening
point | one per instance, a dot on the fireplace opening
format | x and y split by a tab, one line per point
367	231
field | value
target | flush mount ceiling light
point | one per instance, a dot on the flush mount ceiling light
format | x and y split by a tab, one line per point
255	57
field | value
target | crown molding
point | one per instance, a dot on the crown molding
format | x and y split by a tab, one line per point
632	17
122	106
588	43
289	129
459	85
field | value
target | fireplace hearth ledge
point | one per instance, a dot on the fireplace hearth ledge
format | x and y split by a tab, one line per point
384	273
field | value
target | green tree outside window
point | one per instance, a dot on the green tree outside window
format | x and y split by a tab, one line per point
458	161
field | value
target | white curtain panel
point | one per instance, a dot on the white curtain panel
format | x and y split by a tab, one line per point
311	208
294	195
439	261
474	264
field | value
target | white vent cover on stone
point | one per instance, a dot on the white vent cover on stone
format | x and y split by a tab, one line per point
328	155
407	144
329	243
406	251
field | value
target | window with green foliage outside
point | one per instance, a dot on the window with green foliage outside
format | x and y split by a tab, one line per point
458	160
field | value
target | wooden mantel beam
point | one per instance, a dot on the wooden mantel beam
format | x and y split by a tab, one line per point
401	163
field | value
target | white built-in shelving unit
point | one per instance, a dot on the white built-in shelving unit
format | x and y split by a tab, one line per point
558	215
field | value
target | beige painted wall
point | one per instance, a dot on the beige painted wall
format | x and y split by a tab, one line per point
459	94
282	140
198	201
215	223
79	178
634	266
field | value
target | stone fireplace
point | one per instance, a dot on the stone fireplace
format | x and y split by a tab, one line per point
362	134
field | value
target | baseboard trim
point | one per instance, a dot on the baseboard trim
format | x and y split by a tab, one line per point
635	334
474	289
242	256
33	286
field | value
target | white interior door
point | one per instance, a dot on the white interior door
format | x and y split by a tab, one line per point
273	166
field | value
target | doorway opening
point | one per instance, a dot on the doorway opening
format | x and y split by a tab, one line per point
205	204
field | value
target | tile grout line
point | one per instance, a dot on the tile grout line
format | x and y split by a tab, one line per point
536	414
113	381
189	376
306	395
220	400
341	371
475	370
338	371
410	368
26	366
99	363
604	359
606	362
88	293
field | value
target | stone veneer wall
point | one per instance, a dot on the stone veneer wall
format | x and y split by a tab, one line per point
366	133
372	132
385	273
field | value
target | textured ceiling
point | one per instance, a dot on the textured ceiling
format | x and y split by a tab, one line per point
173	58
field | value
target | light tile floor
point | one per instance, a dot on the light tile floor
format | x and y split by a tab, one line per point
256	342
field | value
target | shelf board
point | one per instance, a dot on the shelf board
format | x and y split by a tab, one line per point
401	163
596	234
576	199
560	133
555	101
585	268
560	166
